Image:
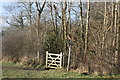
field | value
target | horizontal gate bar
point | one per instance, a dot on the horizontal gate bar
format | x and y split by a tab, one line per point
53	64
53	58
54	61
53	54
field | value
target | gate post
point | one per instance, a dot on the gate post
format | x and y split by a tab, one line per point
61	60
46	58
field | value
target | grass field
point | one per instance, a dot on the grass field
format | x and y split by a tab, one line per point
12	70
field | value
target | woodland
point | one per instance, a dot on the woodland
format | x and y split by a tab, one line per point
91	28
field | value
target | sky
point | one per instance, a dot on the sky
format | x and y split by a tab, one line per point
57	0
1	14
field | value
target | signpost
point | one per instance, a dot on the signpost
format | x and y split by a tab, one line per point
70	45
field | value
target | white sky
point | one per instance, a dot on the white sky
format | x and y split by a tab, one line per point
1	19
57	0
2	13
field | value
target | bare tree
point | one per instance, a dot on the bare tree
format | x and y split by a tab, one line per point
30	11
116	33
87	28
119	37
39	12
64	26
81	21
52	15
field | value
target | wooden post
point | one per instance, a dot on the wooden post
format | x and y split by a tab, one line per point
69	58
63	63
46	58
61	60
38	56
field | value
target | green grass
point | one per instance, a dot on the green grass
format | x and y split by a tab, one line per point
20	73
10	64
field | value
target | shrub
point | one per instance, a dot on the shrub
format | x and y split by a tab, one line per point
54	43
28	62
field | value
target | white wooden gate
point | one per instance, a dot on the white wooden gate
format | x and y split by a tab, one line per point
53	60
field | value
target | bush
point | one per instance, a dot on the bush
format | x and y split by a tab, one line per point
54	43
18	42
27	62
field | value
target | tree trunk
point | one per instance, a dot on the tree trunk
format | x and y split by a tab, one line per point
81	22
119	37
69	17
51	12
30	12
116	34
104	31
56	20
86	35
64	28
87	28
39	12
